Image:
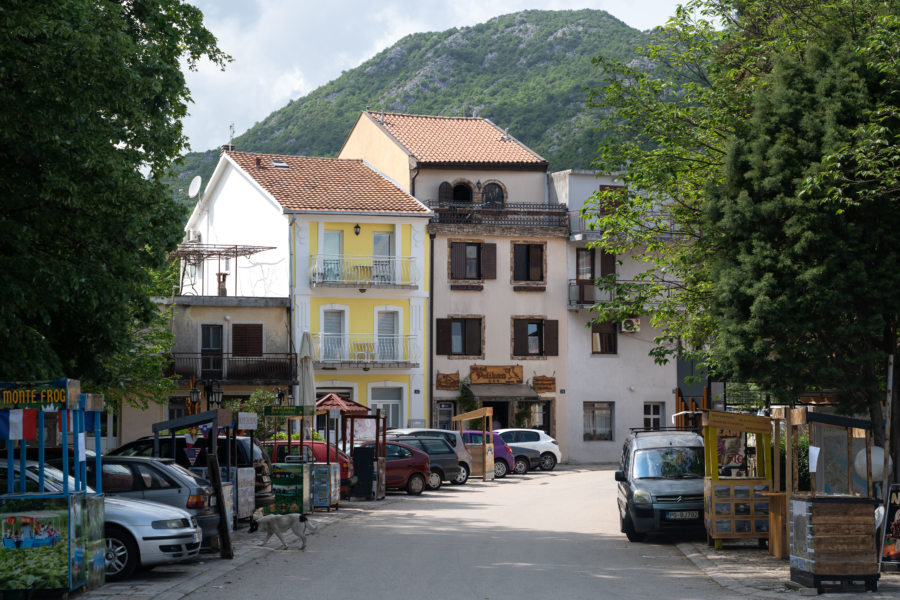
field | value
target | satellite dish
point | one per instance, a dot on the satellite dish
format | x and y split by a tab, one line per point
195	186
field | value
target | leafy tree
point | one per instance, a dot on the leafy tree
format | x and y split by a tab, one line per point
91	98
258	401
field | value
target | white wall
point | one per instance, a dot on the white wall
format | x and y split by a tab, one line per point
521	186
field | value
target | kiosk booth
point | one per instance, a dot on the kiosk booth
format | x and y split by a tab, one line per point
736	489
292	479
482	454
368	461
52	538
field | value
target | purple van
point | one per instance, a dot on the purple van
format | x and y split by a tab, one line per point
504	461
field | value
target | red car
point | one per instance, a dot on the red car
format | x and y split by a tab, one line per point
314	451
405	467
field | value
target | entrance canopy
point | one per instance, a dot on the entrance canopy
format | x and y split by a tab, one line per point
503	391
347	407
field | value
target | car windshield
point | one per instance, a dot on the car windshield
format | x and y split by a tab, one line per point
668	463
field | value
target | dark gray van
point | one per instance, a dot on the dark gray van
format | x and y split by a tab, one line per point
661	483
444	461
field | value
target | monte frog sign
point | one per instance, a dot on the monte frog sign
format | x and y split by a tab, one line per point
59	394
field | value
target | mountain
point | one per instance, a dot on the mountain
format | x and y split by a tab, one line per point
525	71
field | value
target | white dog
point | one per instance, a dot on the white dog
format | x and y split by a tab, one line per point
278	524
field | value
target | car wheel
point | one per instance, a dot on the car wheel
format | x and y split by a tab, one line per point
435	480
548	461
630	533
521	466
122	556
463	475
415	485
500	469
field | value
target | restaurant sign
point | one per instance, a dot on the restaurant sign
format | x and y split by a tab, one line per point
448	381
496	374
544	385
59	394
289	410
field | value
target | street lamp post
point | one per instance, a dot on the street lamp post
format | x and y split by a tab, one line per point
211	390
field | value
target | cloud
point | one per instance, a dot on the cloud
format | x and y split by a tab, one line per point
285	49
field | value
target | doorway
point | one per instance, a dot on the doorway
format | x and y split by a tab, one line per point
501	412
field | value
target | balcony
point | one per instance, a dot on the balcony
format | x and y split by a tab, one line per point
341	270
584	293
579	229
510	214
272	367
365	350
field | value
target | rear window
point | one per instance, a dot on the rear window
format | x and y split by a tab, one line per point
436	446
193	476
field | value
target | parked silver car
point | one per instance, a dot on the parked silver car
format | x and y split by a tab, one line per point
453	438
138	532
159	480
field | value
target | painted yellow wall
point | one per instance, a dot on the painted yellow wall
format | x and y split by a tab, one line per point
313	238
361	312
362	382
367	141
406	241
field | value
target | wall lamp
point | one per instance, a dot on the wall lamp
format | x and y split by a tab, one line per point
356	229
211	390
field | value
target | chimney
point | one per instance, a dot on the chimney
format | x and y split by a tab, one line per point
223	291
258	163
506	133
382	116
227	148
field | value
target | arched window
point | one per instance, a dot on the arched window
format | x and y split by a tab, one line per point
492	196
445	193
462	193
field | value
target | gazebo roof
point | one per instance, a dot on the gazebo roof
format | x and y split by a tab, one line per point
347	407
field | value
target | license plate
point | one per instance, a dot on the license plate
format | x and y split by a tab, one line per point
196	537
682	515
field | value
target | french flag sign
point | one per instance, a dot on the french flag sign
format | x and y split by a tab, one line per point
18	424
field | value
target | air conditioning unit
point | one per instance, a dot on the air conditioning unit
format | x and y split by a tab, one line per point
632	325
194	236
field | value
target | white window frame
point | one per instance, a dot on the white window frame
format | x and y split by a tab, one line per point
404	397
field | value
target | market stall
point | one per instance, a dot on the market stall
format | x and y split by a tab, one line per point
292	479
52	539
737	482
482	456
832	536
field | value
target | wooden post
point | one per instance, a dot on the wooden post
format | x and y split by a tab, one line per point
790	480
850	461
869	484
776	456
215	478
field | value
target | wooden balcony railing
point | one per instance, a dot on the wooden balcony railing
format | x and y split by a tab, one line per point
225	366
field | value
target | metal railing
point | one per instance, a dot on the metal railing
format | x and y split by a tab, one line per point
226	366
510	214
365	348
584	292
343	269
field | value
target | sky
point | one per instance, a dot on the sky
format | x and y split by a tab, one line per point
285	49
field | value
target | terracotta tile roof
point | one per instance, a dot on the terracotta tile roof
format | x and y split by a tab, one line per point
326	184
456	140
347	407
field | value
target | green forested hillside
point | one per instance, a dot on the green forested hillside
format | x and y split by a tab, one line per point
526	71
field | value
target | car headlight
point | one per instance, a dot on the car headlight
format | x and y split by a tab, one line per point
642	497
170	524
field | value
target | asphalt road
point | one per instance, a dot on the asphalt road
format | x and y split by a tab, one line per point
542	535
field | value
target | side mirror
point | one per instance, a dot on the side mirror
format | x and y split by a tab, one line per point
620	476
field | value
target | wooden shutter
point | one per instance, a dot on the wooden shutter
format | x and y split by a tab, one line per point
520	337
607	264
247	339
442	337
457	260
520	262
488	262
551	338
445	193
473	337
535	262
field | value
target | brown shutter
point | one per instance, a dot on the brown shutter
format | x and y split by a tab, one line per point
607	264
442	337
473	337
535	262
520	262
247	339
551	338
445	193
520	337
457	260
488	262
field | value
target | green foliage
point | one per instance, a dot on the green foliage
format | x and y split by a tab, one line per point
257	403
525	71
91	102
45	568
465	400
803	480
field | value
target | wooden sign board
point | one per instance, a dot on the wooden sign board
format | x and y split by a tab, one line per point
448	381
737	422
544	385
496	374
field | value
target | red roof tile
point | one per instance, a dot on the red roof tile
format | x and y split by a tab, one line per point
347	407
456	140
325	184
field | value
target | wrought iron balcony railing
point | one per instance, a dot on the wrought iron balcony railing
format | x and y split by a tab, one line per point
366	349
228	367
510	214
361	271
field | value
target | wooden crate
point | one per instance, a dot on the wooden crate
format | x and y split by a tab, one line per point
832	536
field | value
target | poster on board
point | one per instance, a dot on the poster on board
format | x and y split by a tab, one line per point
890	547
